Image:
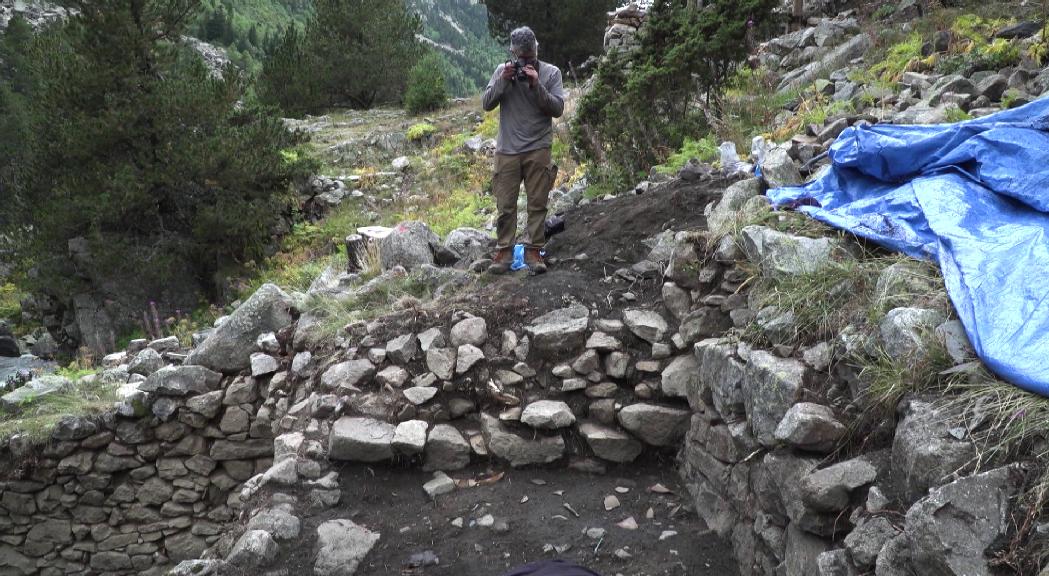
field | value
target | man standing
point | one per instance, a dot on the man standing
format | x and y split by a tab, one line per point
530	95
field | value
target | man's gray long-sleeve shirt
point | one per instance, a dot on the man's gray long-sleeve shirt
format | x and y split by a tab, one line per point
526	114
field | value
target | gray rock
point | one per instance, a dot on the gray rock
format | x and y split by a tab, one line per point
167	344
470	244
519	451
901	283
894	558
410	437
279	522
802	552
300	366
677	300
467	357
263	364
442	362
402	349
993	87
655	425
617	365
361	440
146	362
255	549
953	336
37	387
410	245
924	454
441	484
347	376
229	348
603	342
646	325
268	343
432	338
829	489
394	376
855	47
810	427
835	563
610	443
720	375
473	331
247	450
181	381
73	428
953	84
867	539
706	322
420	395
341	547
681	377
771	385
956	529
779	170
904	331
198	568
722	217
780	253
446	449
548	415
560	331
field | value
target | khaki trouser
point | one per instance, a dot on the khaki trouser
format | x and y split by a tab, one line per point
538	173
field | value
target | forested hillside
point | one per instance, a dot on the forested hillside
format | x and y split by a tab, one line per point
457	29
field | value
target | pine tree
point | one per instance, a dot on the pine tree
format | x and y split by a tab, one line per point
137	148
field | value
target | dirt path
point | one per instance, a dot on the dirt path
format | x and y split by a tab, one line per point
528	508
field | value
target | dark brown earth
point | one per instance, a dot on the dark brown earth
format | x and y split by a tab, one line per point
391	501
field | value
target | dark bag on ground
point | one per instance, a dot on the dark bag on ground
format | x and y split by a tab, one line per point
551	568
555	225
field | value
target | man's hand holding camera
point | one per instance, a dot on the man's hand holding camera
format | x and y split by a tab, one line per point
519	70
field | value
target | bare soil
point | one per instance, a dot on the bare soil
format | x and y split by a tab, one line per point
531	503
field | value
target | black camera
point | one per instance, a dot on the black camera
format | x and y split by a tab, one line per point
519	70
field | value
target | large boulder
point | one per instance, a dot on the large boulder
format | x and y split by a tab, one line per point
646	325
548	415
771	386
42	386
720	375
779	253
469	244
812	427
560	331
410	245
923	452
779	170
681	377
229	348
956	529
905	331
181	381
517	450
610	443
722	217
361	440
341	547
655	425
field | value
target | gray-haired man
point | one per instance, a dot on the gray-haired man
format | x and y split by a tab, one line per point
529	96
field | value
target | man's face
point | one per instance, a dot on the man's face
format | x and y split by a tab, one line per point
526	56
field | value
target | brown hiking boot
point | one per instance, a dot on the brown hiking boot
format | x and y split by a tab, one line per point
534	260
501	262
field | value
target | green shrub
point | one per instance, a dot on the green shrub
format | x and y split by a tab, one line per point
955	114
643	105
420	131
899	59
705	150
426	88
10	302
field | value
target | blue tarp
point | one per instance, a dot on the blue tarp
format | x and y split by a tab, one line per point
973	196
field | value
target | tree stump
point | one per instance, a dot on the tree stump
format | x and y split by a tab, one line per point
356	247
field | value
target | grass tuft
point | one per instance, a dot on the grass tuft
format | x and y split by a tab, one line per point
381	297
38	418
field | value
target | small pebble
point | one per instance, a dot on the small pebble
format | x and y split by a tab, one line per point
667	534
458	522
611	503
486	521
622	489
